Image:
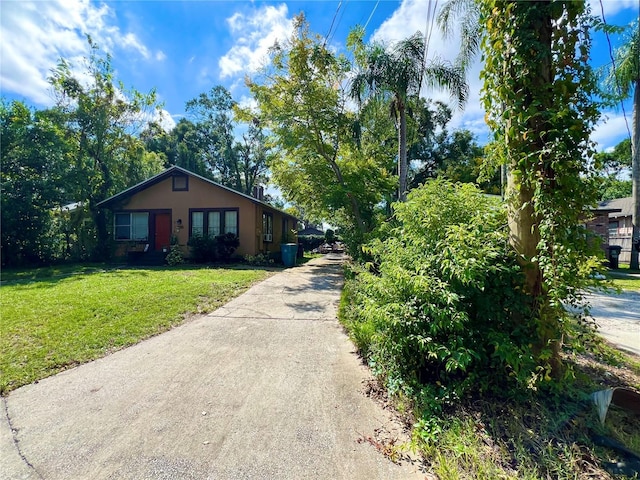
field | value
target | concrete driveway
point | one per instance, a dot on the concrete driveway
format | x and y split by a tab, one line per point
267	387
618	318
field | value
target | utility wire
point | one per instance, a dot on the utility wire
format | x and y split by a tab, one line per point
428	30
332	22
371	15
339	20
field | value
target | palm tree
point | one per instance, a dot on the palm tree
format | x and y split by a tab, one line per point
399	72
624	78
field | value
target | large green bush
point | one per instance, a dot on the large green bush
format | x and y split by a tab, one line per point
206	249
438	310
309	242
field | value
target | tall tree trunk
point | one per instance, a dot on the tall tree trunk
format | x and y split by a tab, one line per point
524	234
402	152
635	176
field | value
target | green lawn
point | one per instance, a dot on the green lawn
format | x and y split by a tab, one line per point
624	280
53	319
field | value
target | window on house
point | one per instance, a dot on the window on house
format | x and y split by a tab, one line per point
267	227
613	228
231	222
180	183
214	222
197	224
131	226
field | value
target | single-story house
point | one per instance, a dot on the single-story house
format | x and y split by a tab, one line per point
620	226
175	205
599	224
311	230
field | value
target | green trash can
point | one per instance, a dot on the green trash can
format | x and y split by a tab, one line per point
289	252
614	255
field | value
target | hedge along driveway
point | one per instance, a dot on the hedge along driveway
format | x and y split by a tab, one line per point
51	324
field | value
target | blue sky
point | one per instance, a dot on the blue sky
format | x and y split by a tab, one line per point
184	48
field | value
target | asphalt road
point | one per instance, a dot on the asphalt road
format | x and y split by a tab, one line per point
267	387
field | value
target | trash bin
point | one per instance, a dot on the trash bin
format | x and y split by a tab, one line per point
614	255
289	252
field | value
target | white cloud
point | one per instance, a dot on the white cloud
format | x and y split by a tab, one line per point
411	17
611	7
36	34
248	102
165	120
161	56
611	130
254	34
131	40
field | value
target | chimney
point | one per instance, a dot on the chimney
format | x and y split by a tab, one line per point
258	192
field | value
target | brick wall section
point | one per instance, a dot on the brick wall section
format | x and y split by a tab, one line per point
599	224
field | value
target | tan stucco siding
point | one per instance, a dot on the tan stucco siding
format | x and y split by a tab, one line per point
200	194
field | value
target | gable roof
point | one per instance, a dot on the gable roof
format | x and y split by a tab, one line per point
171	171
620	207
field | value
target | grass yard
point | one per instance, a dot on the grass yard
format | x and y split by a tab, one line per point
54	319
624	280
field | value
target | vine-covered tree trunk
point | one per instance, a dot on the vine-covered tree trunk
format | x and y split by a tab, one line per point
635	177
538	94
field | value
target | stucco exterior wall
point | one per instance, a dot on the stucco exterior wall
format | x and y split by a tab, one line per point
200	194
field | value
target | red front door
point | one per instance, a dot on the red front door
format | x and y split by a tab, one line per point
163	231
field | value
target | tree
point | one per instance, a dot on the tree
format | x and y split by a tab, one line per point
101	118
181	146
542	121
237	164
318	163
401	71
457	157
34	179
609	166
624	78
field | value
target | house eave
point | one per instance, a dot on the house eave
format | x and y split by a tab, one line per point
129	192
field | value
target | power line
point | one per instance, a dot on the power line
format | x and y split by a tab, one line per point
428	30
332	22
371	15
339	20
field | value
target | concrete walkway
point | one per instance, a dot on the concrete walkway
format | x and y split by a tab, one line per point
267	387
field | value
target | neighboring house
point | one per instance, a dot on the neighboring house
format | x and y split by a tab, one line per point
178	203
620	226
311	230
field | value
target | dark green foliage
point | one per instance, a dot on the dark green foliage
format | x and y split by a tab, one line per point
99	126
207	249
309	242
330	236
175	256
226	245
34	169
440	310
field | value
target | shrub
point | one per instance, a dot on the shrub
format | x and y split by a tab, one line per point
175	256
203	248
309	242
260	259
226	245
330	236
440	303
